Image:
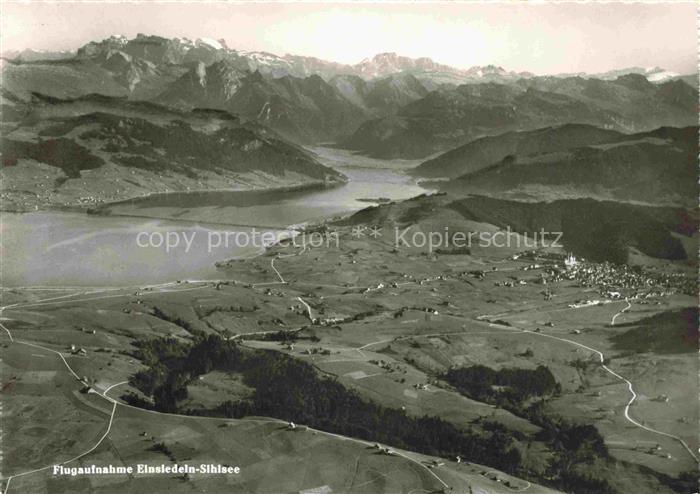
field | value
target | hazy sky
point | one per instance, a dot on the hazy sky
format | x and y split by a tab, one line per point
542	37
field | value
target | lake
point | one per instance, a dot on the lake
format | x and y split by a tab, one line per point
76	249
367	179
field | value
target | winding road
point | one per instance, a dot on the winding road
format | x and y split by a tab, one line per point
616	315
633	393
115	403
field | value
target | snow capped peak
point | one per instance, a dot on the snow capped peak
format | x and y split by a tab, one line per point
119	38
390	55
662	75
656	74
211	43
184	42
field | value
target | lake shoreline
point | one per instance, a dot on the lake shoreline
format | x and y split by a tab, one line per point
90	245
314	185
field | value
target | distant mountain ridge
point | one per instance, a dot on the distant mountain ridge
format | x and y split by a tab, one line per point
159	49
450	117
302	109
286	94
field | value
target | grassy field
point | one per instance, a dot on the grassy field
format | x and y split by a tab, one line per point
386	324
66	423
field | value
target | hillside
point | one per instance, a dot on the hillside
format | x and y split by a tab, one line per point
58	78
486	151
655	167
95	148
596	230
669	332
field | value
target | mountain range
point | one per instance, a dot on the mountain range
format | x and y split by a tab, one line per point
388	106
449	117
482	127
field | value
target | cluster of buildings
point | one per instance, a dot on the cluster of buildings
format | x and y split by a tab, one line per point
613	281
616	280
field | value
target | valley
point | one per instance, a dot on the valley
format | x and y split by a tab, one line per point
385	337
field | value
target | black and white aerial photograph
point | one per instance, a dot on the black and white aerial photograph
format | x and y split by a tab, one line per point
373	247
